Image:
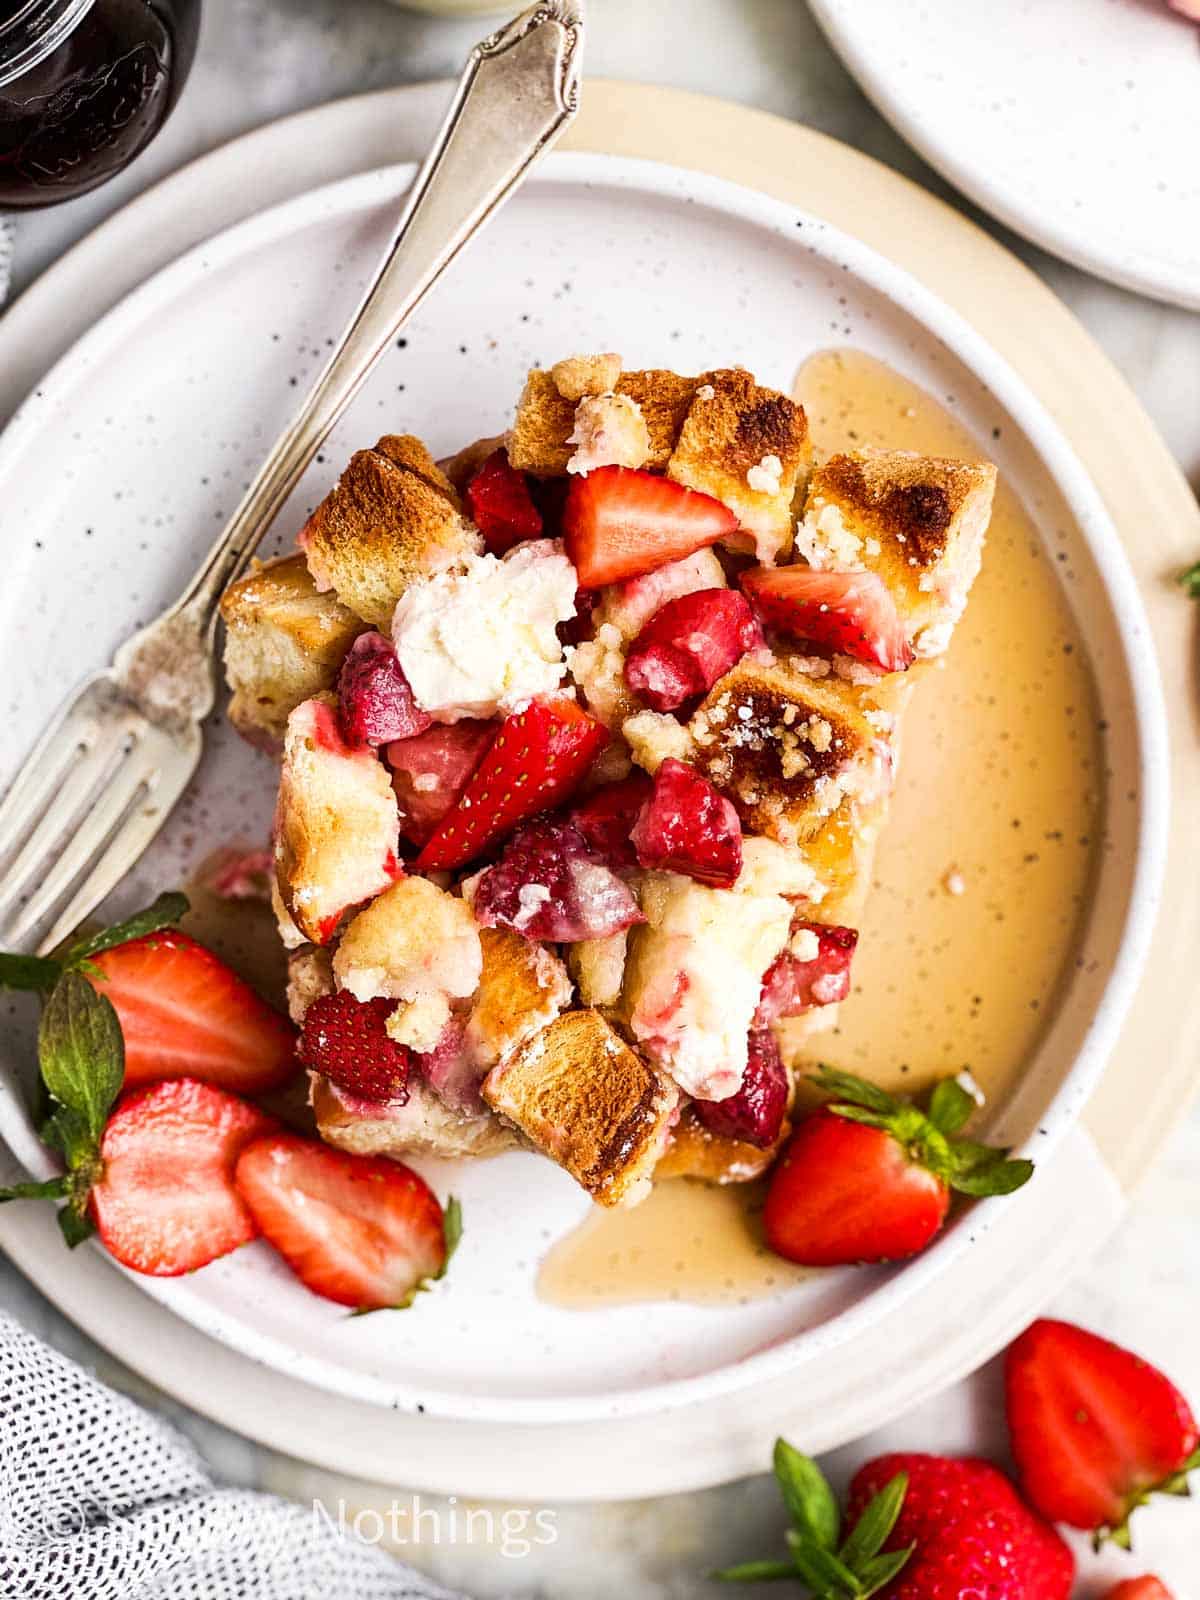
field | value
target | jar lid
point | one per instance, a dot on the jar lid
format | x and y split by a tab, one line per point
35	31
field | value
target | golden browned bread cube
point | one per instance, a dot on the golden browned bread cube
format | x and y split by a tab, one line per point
785	748
284	642
545	419
577	376
414	939
693	1151
522	988
393	516
579	1093
337	825
423	1126
918	521
749	448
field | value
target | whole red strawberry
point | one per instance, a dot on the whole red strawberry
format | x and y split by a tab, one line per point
970	1533
1147	1588
346	1040
1095	1430
869	1177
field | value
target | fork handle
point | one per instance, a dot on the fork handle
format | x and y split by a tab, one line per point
519	90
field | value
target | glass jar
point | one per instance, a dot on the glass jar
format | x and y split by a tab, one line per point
84	87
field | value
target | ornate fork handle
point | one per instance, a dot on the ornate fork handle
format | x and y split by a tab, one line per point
519	90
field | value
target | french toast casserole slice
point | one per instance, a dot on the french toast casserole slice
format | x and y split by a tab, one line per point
586	737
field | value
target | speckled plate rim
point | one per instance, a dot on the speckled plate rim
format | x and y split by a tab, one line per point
1128	1118
1140	271
840	253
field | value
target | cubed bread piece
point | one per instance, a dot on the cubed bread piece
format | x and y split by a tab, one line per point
579	1093
598	967
749	448
424	1126
414	939
694	974
785	748
309	976
284	642
393	516
578	376
918	521
337	825
539	440
609	431
522	988
694	1151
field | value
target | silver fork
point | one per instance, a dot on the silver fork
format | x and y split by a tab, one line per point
105	775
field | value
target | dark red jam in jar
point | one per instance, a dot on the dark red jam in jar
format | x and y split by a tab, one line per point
84	87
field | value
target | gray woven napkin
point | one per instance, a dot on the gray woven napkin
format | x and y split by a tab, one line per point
100	1498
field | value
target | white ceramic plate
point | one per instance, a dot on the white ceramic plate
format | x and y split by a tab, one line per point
1073	121
115	475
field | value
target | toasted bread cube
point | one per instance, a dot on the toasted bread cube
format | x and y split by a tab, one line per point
609	431
309	977
749	448
414	939
785	748
918	521
540	438
522	988
337	824
579	1093
579	376
284	643
393	516
423	1126
694	1151
598	967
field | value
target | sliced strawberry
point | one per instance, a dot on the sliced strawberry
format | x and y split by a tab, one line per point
795	983
619	523
536	761
375	700
501	505
167	1203
346	1040
845	613
687	826
606	819
362	1230
1146	1588
184	1014
431	770
1095	1430
688	644
755	1113
869	1177
547	884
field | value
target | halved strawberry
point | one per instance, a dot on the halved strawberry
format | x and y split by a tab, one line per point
755	1113
846	613
1095	1430
185	1014
347	1041
431	770
687	826
535	762
501	505
362	1230
375	700
166	1203
795	983
1146	1588
688	644
606	819
619	522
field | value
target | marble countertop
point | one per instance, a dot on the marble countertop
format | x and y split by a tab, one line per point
260	59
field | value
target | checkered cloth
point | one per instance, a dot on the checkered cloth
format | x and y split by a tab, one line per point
99	1498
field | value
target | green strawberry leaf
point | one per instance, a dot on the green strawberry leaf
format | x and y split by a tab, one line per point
950	1106
870	1532
821	1570
52	1189
997	1177
165	912
81	1051
756	1572
75	1226
877	1573
845	1086
809	1499
1190	582
32	973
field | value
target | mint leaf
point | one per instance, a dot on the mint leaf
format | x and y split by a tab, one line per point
756	1572
869	1534
36	973
81	1052
950	1106
164	913
809	1499
1190	582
